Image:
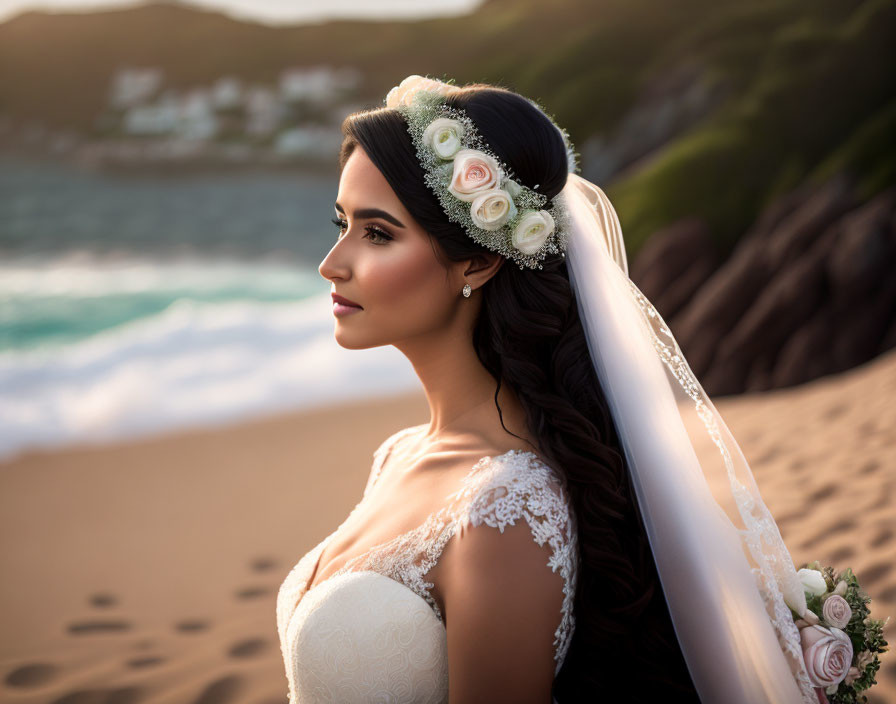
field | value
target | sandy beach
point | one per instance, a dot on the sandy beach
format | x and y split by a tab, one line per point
147	571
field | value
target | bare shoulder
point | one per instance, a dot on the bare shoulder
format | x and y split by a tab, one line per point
503	605
505	594
387	444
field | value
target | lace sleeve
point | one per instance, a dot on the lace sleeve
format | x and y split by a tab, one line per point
520	486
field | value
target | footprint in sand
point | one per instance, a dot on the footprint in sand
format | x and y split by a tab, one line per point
90	627
31	675
883	499
769	454
149	661
869	467
247	648
222	691
253	592
840	555
885	536
844	526
191	626
825	492
867	427
891	669
834	411
263	564
869	576
888	595
123	695
102	601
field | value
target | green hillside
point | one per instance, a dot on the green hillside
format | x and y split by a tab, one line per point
809	84
819	98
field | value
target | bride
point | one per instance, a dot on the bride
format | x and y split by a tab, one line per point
575	522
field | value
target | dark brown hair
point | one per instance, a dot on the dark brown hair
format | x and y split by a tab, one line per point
529	336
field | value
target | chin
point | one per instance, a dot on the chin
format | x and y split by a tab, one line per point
351	342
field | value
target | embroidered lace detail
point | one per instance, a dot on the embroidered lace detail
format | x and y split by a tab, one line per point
526	488
498	491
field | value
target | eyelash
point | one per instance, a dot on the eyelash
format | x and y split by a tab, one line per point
371	229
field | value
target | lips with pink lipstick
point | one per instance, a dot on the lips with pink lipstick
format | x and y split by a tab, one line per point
344	306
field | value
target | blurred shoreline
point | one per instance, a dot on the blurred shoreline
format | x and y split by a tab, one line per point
134	157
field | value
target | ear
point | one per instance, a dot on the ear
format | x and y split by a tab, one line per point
480	268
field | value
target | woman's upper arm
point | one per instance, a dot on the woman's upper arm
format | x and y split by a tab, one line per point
503	605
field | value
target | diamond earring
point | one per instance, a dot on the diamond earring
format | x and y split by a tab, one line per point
467	290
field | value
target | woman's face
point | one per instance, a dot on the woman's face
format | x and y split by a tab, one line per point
385	262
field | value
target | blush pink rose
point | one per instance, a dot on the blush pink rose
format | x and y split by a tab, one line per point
836	611
474	172
828	654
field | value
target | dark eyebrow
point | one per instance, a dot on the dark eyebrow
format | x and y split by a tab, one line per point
373	213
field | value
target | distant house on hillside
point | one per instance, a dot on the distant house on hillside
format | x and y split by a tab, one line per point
310	141
197	116
227	93
264	111
159	118
317	84
132	86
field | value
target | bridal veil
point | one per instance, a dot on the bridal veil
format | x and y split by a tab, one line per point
728	578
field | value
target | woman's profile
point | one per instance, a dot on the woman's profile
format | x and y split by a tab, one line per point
502	552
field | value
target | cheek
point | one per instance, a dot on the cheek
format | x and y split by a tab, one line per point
410	279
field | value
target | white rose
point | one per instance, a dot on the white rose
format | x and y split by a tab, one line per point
403	93
812	581
443	136
532	230
474	172
492	209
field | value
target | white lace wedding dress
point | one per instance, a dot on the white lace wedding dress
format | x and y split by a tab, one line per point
372	632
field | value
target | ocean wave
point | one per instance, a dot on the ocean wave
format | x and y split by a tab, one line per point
195	363
50	302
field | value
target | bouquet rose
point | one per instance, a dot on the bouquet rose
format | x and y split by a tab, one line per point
840	640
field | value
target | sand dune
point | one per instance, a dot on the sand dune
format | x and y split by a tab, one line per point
147	571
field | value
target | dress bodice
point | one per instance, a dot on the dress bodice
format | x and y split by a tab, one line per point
372	631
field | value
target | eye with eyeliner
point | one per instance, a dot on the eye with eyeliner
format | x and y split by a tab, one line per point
371	229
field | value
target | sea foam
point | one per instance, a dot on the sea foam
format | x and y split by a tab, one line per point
195	363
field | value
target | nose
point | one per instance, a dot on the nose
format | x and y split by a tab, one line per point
333	267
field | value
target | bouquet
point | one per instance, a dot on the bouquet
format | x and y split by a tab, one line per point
840	640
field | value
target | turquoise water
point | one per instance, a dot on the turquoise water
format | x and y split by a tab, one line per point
64	300
81	252
135	305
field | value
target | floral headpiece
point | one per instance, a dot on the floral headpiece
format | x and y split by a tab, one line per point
475	188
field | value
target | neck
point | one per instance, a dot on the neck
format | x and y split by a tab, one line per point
459	389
